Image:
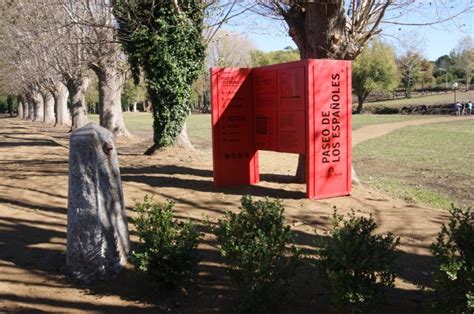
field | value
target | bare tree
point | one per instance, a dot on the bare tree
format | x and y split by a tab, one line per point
33	43
464	59
105	57
410	70
229	50
70	38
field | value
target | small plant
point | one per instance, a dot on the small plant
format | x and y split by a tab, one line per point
453	280
259	252
168	248
356	263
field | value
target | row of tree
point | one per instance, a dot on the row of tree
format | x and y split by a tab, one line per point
378	69
50	50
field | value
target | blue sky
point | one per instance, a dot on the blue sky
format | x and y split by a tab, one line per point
432	41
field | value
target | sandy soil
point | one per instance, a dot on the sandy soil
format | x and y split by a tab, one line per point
33	202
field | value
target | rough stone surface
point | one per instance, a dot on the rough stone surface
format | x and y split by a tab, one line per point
97	232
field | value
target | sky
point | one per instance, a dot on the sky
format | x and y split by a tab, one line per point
432	41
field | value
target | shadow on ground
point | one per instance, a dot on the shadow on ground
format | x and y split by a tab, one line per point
165	176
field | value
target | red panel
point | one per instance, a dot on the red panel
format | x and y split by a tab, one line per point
266	116
234	153
291	89
279	98
329	129
298	107
291	131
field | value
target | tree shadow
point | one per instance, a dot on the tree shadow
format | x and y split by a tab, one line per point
22	244
27	142
165	176
168	169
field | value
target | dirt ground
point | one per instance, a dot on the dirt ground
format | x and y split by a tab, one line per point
33	202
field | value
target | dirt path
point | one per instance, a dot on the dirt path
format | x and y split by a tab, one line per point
33	201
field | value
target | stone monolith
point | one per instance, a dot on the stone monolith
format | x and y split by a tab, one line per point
97	232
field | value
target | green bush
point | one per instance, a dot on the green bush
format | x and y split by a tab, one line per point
454	277
168	248
259	252
357	264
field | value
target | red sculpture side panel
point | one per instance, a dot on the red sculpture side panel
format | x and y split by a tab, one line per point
266	110
233	141
329	129
291	109
279	99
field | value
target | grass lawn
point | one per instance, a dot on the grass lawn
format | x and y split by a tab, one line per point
435	99
141	124
431	164
138	123
199	125
360	120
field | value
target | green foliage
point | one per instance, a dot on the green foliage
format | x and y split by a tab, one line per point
168	248
454	276
426	78
92	97
132	93
8	103
3	104
374	70
261	58
356	263
259	252
165	43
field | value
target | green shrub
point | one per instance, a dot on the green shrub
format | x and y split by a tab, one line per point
454	277
357	264
168	248
259	252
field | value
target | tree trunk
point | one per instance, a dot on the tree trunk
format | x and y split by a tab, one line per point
360	103
468	81
48	107
77	94
183	140
319	32
134	106
38	107
147	105
26	108
20	109
60	95
110	103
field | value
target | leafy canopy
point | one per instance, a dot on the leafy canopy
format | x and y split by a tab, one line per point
375	70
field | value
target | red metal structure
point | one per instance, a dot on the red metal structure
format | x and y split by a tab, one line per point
299	107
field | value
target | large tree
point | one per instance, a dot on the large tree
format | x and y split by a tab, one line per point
164	40
227	49
329	30
375	69
104	57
